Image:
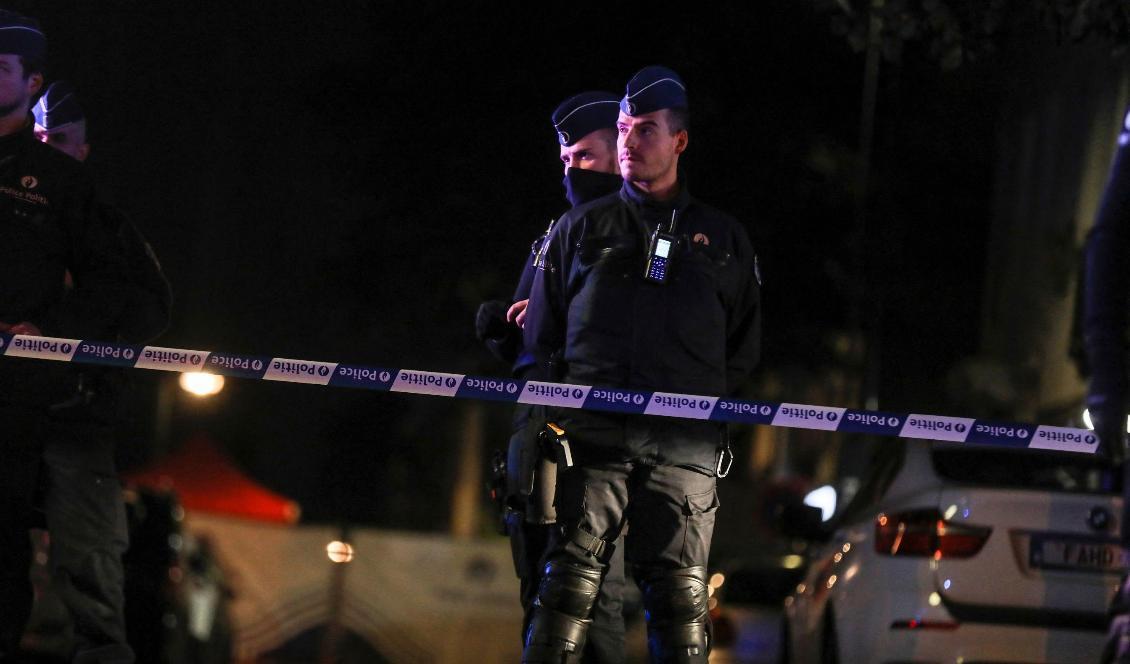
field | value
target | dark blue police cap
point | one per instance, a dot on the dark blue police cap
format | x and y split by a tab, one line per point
57	107
653	88
20	35
581	115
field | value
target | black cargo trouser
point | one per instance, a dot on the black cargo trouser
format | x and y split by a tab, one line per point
20	453
530	533
654	473
87	524
656	477
671	511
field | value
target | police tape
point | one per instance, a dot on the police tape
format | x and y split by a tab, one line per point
585	397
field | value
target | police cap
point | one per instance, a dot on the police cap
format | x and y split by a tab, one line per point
653	88
20	35
582	114
57	107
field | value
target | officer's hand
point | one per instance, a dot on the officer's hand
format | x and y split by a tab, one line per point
490	321
517	312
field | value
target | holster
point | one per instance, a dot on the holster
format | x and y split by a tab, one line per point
555	445
496	489
555	455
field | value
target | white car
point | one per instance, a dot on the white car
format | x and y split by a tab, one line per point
961	553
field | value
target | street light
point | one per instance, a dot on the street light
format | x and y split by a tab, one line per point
339	552
201	384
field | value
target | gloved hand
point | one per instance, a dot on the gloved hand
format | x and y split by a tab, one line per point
490	321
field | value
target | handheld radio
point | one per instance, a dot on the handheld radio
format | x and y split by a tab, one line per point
659	254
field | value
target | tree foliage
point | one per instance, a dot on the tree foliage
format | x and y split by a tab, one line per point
954	32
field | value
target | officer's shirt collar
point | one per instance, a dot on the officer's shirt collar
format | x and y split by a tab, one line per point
647	204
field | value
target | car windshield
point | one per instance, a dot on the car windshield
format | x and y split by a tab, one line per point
1023	469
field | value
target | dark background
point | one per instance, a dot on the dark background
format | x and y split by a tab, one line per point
346	181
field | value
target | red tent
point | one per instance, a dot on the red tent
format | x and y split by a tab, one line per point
206	480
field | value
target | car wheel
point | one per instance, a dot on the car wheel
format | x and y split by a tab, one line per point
829	647
784	654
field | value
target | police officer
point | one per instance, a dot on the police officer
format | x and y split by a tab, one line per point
585	127
83	499
1106	294
61	123
647	289
48	227
591	171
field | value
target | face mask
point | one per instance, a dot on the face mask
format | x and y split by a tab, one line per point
582	185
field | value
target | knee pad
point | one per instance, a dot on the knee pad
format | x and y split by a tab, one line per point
678	621
561	613
570	588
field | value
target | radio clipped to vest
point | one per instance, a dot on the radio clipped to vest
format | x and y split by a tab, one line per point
660	252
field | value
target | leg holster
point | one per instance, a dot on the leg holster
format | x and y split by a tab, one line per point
562	613
678	622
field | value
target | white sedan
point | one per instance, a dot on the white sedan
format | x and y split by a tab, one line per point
959	553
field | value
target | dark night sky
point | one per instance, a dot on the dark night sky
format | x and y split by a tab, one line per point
347	180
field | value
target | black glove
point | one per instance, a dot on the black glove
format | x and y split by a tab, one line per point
503	339
490	321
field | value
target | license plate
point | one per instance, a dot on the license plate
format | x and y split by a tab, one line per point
1077	554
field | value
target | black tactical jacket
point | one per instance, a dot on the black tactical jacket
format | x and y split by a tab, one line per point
50	225
590	305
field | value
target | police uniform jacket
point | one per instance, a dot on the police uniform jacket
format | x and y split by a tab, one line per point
49	224
1107	288
593	319
581	187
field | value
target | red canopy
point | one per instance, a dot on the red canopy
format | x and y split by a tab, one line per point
206	480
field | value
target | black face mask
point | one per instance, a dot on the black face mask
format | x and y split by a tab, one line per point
582	186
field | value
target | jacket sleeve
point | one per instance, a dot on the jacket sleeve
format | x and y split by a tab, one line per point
96	261
526	279
743	321
544	333
1107	293
149	310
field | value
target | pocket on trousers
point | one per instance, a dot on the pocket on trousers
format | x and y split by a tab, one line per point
701	503
699	510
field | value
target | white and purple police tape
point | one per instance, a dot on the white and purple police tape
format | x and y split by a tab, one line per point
689	406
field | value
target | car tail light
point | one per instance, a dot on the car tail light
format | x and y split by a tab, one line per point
927	533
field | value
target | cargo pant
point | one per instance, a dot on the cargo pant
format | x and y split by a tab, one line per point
530	527
87	524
